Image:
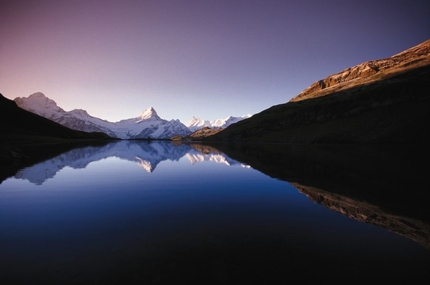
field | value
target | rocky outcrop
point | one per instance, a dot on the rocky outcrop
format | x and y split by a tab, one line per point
368	72
199	134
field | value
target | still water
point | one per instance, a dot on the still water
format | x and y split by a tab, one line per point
157	213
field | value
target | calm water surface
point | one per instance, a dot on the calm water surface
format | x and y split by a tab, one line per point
159	213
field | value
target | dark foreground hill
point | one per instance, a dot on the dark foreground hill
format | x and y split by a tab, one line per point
383	101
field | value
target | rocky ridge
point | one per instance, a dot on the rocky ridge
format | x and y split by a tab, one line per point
368	72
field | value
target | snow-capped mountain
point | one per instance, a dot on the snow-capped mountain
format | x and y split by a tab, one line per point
39	104
195	123
147	125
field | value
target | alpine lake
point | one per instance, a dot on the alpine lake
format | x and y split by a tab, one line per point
163	212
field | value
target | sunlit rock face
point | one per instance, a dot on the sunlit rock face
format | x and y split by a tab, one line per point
368	71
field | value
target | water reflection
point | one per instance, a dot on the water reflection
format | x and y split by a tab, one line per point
381	185
146	155
193	219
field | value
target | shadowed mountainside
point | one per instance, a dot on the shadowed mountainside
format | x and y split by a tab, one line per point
384	101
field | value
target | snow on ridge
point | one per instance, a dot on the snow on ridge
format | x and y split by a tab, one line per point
147	125
149	113
40	104
195	123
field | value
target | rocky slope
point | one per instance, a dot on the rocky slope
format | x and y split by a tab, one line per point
383	101
199	134
368	72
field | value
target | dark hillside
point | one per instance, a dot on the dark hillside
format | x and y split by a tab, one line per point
390	106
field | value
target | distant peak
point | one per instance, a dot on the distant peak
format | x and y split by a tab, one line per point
193	120
38	95
35	101
149	113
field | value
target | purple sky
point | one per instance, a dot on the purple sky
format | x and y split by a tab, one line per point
208	59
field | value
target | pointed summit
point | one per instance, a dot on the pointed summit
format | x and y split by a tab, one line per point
148	114
193	121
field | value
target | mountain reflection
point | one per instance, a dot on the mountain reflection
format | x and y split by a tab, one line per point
382	186
146	155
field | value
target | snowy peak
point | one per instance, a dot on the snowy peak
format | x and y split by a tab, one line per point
149	114
195	124
38	99
80	113
40	104
147	125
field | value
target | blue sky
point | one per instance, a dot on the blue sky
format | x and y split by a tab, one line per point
208	59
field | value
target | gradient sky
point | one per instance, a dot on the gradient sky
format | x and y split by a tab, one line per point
208	59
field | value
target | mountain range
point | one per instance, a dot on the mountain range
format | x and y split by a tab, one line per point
147	125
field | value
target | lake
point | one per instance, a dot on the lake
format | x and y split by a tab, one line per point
133	212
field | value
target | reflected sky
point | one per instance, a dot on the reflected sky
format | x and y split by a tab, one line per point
98	209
